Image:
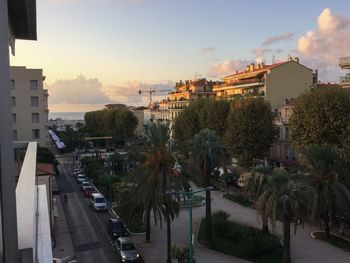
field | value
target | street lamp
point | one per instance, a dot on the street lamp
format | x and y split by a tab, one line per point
190	194
110	181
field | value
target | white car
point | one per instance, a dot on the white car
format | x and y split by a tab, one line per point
98	202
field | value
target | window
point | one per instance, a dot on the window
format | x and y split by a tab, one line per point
33	84
35	133
14	118
34	101
14	135
35	117
12	84
13	101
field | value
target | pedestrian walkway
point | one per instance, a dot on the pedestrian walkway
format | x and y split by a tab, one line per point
304	249
64	247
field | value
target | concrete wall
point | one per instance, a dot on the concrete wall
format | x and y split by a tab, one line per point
287	81
22	92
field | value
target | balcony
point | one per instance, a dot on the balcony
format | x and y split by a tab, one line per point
241	84
344	62
344	81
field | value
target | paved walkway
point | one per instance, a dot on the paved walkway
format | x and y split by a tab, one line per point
304	248
64	247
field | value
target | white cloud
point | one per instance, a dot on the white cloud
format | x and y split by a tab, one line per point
78	90
274	39
129	93
227	67
329	41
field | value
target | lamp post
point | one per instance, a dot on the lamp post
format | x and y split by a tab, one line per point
190	194
110	181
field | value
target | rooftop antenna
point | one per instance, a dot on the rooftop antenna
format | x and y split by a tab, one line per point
273	59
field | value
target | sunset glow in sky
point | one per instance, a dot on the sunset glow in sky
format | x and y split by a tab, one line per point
95	52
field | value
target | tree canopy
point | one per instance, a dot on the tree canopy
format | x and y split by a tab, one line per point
321	117
251	130
118	123
202	114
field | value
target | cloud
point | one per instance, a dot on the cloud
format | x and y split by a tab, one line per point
129	93
274	39
329	41
208	49
78	90
227	67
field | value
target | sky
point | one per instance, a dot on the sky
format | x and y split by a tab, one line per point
95	52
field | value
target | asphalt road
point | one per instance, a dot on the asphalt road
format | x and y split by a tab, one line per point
88	228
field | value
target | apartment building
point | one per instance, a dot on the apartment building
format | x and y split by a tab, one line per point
282	150
275	82
344	63
17	21
187	92
29	105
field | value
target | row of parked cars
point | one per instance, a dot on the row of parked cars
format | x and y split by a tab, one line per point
96	199
116	228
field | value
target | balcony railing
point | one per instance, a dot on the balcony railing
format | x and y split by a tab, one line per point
345	79
343	62
258	81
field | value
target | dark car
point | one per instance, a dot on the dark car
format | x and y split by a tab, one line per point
127	251
116	228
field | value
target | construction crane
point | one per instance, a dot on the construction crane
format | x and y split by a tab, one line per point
150	92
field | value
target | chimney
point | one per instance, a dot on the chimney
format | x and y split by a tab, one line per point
296	59
247	68
251	68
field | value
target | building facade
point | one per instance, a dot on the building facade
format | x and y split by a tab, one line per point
344	63
185	93
29	105
275	82
282	150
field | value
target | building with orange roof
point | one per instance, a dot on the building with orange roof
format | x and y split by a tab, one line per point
275	82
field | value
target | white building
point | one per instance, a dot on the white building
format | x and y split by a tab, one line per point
29	105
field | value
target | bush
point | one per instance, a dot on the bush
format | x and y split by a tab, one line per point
220	224
242	241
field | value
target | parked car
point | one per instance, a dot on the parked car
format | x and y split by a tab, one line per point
116	228
98	202
89	190
81	178
77	171
126	250
84	184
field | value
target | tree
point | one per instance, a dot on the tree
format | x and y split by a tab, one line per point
331	197
321	117
207	151
119	123
154	179
285	197
250	131
201	114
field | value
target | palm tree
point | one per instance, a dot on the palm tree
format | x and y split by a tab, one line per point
285	197
331	197
152	181
207	153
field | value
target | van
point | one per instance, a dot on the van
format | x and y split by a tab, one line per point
98	202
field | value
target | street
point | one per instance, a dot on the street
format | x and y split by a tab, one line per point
88	228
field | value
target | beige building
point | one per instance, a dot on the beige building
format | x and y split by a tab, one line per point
344	63
29	105
282	150
276	82
185	93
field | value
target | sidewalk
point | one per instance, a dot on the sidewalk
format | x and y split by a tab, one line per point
64	246
304	249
